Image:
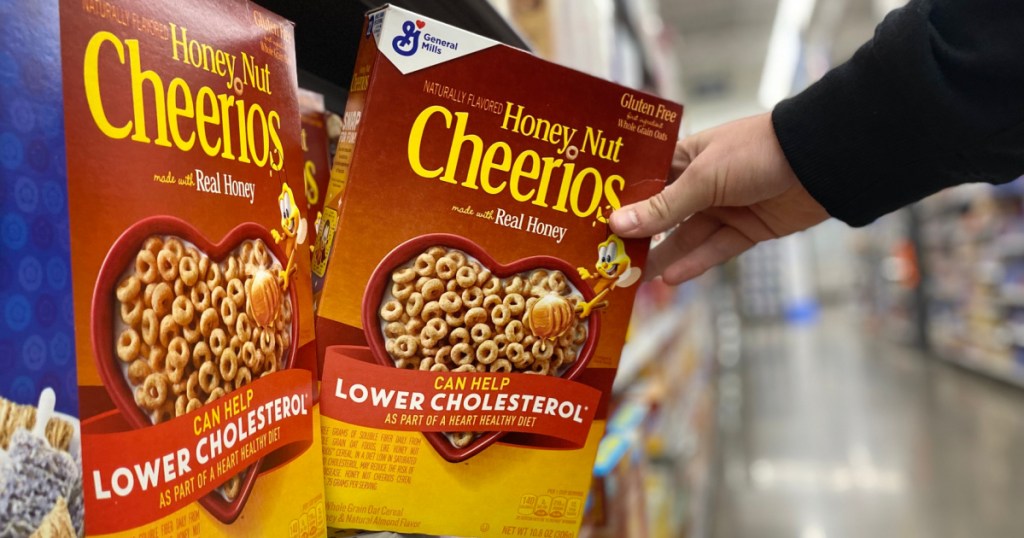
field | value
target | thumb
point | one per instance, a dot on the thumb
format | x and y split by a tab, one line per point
693	191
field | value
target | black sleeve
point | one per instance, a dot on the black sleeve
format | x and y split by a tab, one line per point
935	99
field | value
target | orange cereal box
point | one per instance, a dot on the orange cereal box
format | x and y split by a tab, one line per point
190	270
475	302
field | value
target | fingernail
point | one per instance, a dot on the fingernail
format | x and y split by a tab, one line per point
625	220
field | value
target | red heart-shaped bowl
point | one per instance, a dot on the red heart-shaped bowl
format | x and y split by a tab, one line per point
407	251
121	256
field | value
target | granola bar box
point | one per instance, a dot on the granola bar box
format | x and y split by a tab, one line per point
40	444
475	302
189	267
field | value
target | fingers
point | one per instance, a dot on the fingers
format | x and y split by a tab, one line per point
684	153
692	192
736	164
721	246
681	242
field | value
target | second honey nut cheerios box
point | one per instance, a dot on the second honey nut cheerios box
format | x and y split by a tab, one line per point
316	169
475	301
190	270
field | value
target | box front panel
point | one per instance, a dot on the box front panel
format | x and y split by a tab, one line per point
484	179
190	268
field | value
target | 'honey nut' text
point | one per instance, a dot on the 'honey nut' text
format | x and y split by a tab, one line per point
222	124
496	168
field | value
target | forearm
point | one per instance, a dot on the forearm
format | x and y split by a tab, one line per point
935	99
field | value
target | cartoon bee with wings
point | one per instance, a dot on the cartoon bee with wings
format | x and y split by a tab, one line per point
613	270
293	231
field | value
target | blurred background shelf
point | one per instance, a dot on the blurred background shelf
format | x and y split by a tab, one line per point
1011	374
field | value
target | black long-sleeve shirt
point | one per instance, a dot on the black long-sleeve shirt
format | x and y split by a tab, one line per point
934	99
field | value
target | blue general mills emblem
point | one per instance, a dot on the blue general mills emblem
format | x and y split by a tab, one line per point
407	43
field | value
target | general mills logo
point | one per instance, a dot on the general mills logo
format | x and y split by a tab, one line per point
409	42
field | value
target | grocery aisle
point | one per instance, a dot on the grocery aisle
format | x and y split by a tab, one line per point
828	432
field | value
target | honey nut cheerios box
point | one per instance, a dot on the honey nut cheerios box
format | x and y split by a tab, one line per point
190	270
316	167
475	302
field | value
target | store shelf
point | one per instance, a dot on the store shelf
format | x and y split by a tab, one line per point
972	246
645	346
633	21
1013	377
954	201
1012	297
655	471
1010	245
682	419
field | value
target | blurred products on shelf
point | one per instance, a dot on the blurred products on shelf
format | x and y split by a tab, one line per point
947	274
654	474
972	248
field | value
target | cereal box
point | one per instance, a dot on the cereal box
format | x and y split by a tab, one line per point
316	169
316	166
475	302
189	270
333	192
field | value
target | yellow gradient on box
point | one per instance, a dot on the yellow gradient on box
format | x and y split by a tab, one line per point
506	497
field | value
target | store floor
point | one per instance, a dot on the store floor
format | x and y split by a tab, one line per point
830	433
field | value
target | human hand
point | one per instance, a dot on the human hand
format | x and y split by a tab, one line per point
734	189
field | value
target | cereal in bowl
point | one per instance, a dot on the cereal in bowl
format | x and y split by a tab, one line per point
444	312
192	330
